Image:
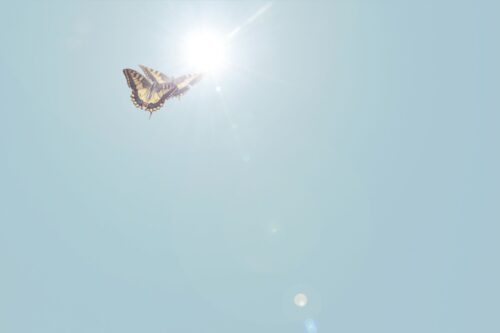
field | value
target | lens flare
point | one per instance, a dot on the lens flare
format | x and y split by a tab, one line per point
310	326
300	300
205	51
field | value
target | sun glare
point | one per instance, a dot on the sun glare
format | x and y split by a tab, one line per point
205	51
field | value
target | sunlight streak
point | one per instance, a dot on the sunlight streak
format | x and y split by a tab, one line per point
250	20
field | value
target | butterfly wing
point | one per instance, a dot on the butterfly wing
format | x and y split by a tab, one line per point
145	96
183	83
154	75
150	96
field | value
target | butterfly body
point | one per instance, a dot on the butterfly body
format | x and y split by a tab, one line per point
150	92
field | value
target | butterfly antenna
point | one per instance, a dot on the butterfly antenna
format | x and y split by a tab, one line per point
150	114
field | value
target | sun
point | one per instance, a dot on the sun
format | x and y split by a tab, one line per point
205	51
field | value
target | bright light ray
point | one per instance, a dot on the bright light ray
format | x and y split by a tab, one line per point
205	51
245	157
242	27
250	20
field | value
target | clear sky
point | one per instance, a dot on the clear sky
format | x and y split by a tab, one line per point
351	154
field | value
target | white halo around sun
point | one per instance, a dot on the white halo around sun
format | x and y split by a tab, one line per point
205	51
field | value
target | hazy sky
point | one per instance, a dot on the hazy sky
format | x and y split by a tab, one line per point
351	154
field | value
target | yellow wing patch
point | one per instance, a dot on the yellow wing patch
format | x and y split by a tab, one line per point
183	83
135	80
188	80
154	75
144	95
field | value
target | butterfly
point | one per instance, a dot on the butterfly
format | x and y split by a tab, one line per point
151	90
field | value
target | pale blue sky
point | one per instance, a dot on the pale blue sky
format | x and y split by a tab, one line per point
351	154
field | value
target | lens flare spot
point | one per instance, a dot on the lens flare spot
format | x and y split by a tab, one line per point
300	300
311	326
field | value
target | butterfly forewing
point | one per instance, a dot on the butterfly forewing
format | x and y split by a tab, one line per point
154	75
184	82
136	80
